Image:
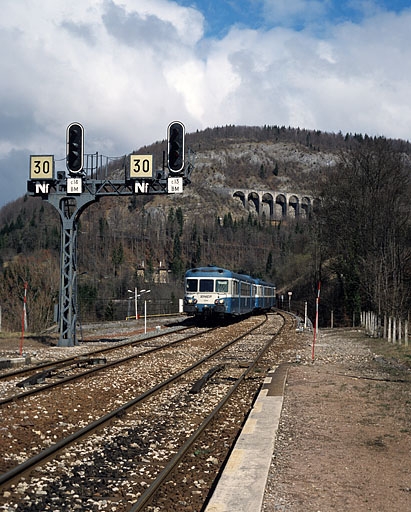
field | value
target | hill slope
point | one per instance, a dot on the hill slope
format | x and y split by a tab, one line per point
140	240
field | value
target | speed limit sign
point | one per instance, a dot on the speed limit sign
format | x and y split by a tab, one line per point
141	166
41	167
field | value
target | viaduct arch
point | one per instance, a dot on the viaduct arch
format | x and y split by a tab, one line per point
275	205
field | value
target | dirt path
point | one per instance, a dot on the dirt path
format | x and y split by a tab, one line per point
344	442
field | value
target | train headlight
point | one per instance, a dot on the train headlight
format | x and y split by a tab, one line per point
219	301
190	300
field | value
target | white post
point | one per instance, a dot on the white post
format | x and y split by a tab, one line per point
406	333
305	315
145	309
394	329
145	316
389	329
384	335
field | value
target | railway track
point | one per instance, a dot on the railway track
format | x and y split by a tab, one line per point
48	375
54	361
126	456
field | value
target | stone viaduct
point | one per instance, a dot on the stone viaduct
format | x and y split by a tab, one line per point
275	205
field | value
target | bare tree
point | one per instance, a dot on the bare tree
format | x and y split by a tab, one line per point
365	225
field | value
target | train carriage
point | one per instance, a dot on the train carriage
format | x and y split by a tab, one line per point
216	292
265	297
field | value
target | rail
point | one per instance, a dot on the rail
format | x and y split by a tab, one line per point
51	452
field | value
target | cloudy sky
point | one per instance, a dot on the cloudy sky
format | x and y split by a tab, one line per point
126	68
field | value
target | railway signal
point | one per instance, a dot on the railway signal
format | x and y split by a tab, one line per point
75	147
175	147
70	196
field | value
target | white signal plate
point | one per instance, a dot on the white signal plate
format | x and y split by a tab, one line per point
74	185
175	185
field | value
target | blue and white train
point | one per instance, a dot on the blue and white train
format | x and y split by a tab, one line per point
213	292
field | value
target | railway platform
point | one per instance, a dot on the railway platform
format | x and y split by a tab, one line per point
242	484
343	441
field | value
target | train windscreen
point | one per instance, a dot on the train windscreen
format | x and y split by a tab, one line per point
221	286
192	285
206	285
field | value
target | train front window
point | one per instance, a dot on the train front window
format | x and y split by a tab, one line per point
206	285
221	286
192	285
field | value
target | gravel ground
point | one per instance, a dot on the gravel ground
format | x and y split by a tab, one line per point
344	441
109	470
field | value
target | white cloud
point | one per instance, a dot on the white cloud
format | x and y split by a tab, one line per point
126	68
351	81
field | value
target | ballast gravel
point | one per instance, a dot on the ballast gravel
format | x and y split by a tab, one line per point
101	473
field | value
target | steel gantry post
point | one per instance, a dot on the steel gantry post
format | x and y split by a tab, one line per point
71	194
69	209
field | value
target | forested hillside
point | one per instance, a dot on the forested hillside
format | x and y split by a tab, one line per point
361	236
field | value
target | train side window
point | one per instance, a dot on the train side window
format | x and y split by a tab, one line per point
206	285
221	285
235	287
191	285
245	289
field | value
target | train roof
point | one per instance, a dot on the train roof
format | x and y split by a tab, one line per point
213	271
264	283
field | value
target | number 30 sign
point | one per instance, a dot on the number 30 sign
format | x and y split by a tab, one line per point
41	167
141	166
